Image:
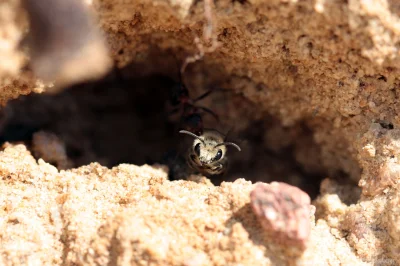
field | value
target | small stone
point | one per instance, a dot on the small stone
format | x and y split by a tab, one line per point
284	211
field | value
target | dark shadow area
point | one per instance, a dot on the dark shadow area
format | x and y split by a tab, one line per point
111	122
261	163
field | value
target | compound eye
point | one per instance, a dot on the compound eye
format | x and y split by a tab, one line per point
197	149
218	155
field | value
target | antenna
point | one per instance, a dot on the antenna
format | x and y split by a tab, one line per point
194	135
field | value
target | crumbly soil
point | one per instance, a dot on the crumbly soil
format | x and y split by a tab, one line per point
91	174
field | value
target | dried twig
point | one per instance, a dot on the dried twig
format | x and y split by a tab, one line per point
208	36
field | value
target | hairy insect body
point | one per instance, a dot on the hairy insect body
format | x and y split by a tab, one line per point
208	152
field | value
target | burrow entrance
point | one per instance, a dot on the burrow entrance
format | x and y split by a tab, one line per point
123	119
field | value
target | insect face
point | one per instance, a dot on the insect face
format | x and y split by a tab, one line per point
207	155
206	150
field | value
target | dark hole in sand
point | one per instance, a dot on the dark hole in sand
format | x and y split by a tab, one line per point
116	120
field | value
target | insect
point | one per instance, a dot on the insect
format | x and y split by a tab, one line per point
191	114
208	152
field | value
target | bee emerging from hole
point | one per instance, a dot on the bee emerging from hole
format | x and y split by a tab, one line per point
208	152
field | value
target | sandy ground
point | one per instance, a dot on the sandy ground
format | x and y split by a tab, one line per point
313	103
